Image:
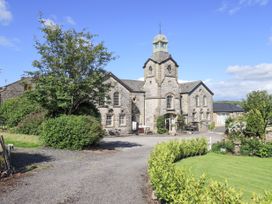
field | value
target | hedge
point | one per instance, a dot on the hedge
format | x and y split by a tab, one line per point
71	132
13	110
178	185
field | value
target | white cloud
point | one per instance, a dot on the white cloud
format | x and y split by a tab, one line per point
5	14
233	6
70	20
141	79
244	79
49	22
7	42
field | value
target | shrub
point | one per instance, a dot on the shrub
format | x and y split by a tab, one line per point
178	185
211	126
31	123
226	144
161	125
255	124
12	111
71	132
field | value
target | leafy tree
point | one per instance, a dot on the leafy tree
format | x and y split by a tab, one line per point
259	106
70	70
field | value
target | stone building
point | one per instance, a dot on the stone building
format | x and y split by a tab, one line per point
15	89
159	94
222	111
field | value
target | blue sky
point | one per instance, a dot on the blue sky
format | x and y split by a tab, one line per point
227	44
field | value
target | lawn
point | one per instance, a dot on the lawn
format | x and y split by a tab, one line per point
20	140
249	174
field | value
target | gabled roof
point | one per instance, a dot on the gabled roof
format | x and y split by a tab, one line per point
135	85
189	87
160	58
130	85
226	107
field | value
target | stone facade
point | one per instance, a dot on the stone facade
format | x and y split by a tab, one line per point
15	89
159	94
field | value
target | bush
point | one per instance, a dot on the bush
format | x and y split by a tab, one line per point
256	147
211	126
178	185
161	125
31	123
255	124
71	132
226	144
12	111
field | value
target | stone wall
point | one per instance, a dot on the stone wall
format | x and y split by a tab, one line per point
203	113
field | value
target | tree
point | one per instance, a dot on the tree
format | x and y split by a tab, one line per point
70	70
259	106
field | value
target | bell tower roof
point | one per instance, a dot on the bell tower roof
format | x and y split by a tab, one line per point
160	43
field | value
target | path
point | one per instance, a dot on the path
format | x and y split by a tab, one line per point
114	175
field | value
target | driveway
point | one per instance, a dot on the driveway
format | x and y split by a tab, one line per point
113	173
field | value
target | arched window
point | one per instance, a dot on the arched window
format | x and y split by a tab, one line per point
197	101
169	102
204	100
116	99
150	70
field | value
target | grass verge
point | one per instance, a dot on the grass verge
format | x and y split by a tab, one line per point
249	174
21	140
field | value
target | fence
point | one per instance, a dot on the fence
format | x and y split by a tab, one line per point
5	163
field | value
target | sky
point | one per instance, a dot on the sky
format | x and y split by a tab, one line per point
225	43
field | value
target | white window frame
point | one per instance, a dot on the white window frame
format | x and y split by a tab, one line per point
204	100
109	117
116	99
122	120
171	104
197	101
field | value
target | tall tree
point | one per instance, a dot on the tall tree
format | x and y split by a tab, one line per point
258	104
70	70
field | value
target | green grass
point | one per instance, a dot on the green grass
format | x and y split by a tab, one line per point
249	174
20	140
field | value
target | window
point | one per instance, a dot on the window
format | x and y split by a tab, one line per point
116	99
109	120
169	102
204	100
169	69
197	101
150	70
122	120
208	116
194	116
201	116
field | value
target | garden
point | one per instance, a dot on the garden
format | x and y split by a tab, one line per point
59	110
236	170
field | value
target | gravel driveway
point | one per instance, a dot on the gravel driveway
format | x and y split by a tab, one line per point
115	173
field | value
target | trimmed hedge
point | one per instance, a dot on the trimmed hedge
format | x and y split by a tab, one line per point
71	132
178	185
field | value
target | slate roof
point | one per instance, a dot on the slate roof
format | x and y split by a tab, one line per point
160	56
226	107
134	85
188	86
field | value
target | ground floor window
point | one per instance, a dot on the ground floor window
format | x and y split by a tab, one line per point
122	120
194	116
208	116
109	120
